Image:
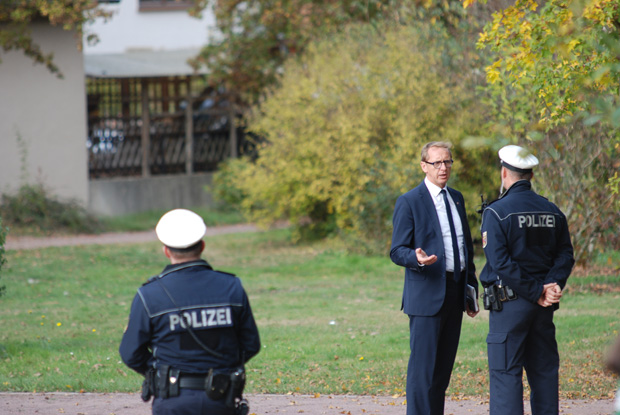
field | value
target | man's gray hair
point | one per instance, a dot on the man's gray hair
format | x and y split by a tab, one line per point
440	144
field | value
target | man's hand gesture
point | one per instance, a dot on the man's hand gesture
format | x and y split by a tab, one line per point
424	259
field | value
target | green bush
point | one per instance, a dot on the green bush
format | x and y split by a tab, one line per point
345	128
224	188
33	210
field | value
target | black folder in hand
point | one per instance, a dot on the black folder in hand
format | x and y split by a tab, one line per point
472	298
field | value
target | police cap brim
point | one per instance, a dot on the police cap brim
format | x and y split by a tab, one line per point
517	159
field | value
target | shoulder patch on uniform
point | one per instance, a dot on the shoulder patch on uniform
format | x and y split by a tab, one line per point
484	239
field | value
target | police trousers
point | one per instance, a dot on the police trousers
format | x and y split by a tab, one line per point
522	335
190	402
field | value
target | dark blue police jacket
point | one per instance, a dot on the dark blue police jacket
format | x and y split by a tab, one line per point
526	242
213	303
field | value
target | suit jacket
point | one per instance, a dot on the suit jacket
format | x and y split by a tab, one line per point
416	225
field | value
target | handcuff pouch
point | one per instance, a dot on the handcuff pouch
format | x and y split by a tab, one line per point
217	384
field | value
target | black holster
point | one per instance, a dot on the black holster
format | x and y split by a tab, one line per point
237	384
495	295
228	386
491	299
217	385
148	388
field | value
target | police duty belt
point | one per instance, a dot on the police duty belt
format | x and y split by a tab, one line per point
496	294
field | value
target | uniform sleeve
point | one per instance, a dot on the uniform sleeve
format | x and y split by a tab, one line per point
402	253
249	339
500	261
469	244
564	260
134	348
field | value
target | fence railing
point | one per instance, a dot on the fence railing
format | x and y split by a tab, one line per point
148	142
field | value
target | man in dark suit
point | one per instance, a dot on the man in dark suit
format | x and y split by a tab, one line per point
433	243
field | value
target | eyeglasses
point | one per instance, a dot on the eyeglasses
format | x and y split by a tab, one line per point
437	164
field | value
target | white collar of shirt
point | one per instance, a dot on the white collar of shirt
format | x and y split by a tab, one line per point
433	188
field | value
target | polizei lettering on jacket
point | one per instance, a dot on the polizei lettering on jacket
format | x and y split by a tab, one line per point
536	221
203	318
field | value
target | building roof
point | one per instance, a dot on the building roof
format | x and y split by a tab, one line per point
140	64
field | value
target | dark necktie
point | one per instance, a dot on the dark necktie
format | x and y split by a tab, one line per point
455	245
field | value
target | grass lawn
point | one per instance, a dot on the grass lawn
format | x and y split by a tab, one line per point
330	322
145	220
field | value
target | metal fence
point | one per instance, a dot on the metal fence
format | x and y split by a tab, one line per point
154	126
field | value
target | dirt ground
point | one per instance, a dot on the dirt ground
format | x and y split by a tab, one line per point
131	404
35	242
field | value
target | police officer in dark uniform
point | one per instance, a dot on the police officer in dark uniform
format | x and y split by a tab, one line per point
191	328
529	259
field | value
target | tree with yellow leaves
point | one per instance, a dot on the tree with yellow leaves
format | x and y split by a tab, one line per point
564	52
554	78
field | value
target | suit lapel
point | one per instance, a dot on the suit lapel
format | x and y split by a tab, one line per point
459	208
431	211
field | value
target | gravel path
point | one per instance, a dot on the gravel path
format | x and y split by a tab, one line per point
131	404
35	242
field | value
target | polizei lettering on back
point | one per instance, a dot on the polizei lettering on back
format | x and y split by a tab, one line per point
536	221
203	318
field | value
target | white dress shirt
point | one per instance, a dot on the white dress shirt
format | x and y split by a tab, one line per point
442	214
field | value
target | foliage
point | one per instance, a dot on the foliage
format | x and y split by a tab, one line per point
345	128
32	209
330	322
553	85
224	188
557	50
256	37
574	171
16	15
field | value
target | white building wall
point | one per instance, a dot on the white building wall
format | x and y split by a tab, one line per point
130	29
43	118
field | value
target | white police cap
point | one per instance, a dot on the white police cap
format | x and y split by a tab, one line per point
180	228
517	159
